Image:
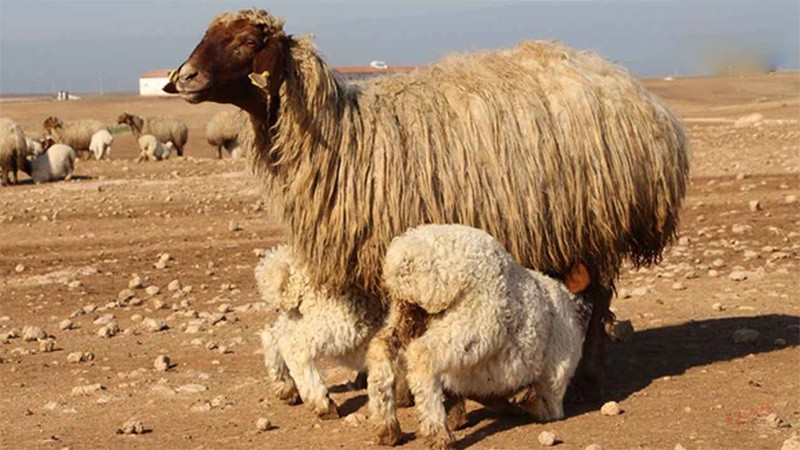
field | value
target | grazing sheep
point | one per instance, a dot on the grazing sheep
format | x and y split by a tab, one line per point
101	144
487	328
311	324
559	154
57	163
223	130
151	149
74	133
165	129
13	149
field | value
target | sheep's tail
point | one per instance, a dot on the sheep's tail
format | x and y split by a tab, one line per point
273	278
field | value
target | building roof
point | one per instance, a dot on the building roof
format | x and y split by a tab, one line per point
344	70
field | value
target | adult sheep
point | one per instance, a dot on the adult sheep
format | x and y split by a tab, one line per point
165	129
13	149
74	133
224	129
560	155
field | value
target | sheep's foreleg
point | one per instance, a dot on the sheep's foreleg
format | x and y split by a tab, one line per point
380	387
587	385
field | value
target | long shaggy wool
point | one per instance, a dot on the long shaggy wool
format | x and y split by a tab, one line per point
13	149
77	133
559	154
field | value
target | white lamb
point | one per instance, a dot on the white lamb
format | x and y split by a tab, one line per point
101	144
490	328
56	163
151	149
310	324
35	147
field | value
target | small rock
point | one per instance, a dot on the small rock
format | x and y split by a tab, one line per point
679	447
718	263
755	205
234	226
620	331
32	333
780	342
355	420
174	285
640	291
263	424
611	409
75	357
201	406
65	324
107	331
787	199
87	389
152	290
132	426
125	295
717	307
593	447
738	275
684	241
47	345
745	336
154	325
192	388
793	443
678	286
775	422
740	229
748	120
547	438
105	319
135	282
20	268
162	363
136	317
75	284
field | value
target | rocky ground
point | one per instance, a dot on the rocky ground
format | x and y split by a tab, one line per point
128	311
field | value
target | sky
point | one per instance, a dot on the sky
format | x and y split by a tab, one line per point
103	46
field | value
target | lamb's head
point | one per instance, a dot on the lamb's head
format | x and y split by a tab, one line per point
47	141
280	279
240	58
135	122
52	123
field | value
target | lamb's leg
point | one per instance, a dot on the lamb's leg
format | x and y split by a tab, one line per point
380	387
219	151
587	385
179	150
299	356
456	412
3	177
426	386
278	373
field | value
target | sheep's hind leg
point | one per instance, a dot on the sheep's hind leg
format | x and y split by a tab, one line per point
300	361
282	383
426	386
380	387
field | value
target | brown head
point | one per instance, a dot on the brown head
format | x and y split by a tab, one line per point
578	279
235	46
135	122
52	123
47	142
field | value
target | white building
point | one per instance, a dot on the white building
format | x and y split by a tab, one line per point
152	82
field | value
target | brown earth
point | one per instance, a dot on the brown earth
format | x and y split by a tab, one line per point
679	379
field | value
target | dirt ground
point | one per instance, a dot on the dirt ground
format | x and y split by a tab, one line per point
68	249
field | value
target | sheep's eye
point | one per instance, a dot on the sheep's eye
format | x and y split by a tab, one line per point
250	43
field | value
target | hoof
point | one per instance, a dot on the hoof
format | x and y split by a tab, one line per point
289	395
456	415
331	413
440	441
361	381
403	398
388	434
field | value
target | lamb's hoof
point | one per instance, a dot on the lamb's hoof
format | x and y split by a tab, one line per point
289	395
388	434
440	441
331	413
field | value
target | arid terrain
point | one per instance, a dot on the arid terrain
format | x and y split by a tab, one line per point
70	249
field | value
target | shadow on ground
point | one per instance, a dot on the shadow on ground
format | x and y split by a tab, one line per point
660	352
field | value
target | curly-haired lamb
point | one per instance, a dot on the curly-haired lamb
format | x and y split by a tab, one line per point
489	327
151	149
101	144
311	323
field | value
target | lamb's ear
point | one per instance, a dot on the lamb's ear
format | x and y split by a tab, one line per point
578	279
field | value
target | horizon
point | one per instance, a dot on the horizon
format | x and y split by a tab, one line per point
116	42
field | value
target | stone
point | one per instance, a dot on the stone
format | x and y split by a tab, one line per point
162	363
745	336
593	447
780	342
132	426
152	290
65	324
754	205
174	285
87	389
135	283
32	333
192	388
125	295
738	275
717	307
547	438
611	409
678	286
154	325
793	443
20	268
263	424
47	345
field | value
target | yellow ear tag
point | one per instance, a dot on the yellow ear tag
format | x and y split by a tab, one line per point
171	75
259	80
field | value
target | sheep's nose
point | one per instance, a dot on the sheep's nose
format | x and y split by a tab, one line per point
187	73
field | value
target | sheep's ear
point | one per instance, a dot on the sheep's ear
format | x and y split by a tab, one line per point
578	279
259	79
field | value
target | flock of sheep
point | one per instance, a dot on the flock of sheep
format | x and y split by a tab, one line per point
52	156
